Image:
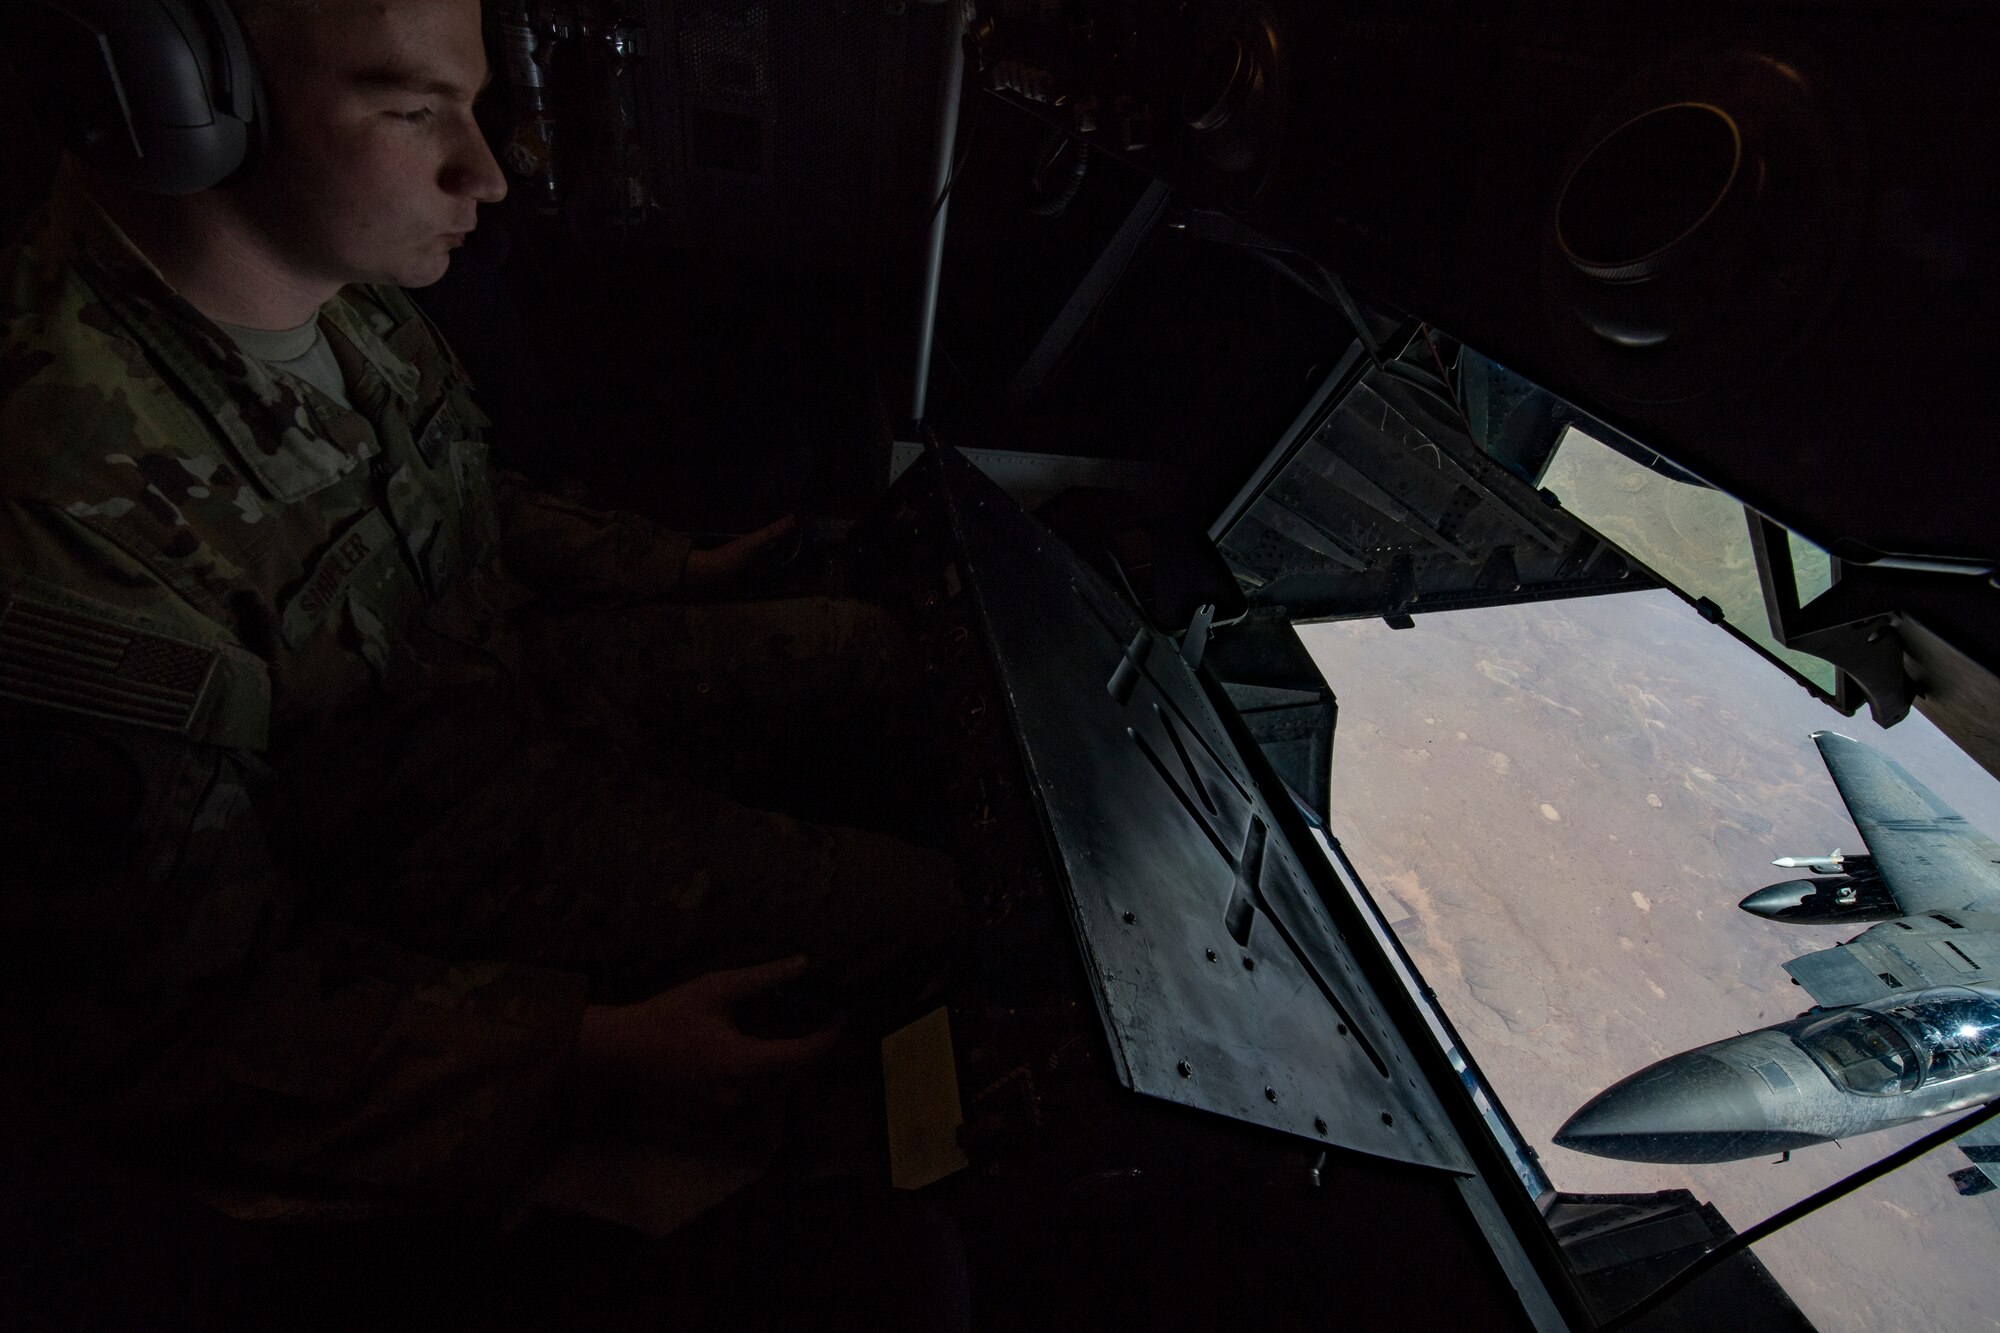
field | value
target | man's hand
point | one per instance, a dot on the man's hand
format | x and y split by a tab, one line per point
684	1042
724	566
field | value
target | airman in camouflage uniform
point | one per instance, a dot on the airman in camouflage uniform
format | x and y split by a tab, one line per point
316	858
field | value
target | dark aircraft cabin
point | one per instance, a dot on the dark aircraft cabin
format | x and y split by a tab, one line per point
1102	342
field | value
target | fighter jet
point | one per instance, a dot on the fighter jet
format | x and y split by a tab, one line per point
1906	1022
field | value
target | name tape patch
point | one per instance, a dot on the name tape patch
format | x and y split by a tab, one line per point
330	578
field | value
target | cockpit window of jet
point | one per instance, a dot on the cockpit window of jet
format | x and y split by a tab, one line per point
1862	1051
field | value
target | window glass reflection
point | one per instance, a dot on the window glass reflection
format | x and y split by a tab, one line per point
1695	538
1812	568
1959	1028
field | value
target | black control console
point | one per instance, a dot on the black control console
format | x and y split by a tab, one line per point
1106	1187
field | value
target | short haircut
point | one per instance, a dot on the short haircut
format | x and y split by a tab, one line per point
258	16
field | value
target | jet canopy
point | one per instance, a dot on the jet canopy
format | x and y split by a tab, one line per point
1899	1044
1958	1027
1863	1051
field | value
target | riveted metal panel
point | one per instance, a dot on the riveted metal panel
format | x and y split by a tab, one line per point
1221	979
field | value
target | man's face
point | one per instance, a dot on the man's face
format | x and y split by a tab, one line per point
379	165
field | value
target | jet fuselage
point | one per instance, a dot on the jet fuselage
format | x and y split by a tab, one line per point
1828	1074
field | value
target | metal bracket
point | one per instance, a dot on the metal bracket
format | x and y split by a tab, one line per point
1090	294
1033	478
1195	642
1130	666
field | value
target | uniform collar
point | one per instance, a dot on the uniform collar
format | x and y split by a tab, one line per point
400	376
264	417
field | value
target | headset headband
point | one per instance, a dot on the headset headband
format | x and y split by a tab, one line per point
163	95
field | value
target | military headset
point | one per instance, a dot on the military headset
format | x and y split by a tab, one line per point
161	95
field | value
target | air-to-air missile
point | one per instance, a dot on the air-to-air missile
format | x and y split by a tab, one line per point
1831	864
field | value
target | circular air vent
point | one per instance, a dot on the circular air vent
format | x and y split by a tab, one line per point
1706	218
1218	86
1652	191
1233	105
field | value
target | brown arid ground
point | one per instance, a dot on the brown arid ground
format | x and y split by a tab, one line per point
1559	806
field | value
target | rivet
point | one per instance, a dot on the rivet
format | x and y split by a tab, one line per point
1211	954
1341	1028
1131	919
1249	964
1270	1094
1187	1070
1388	1119
1319	1124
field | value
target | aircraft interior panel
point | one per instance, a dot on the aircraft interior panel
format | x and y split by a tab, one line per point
1102	342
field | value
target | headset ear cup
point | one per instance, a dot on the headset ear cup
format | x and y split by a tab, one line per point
162	95
236	83
260	129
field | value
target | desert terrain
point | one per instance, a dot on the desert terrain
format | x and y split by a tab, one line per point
1559	805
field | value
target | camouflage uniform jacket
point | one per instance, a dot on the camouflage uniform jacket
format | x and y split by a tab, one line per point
249	641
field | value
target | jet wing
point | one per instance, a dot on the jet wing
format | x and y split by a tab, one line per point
1838	976
1929	858
1960	947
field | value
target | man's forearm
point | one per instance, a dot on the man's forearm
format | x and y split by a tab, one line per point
558	546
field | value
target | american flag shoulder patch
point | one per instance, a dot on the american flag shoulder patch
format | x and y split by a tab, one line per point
64	657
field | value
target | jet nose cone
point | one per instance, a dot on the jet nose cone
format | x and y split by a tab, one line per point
1689	1108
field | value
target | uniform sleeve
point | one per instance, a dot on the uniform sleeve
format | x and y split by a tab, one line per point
207	1019
172	986
558	546
552	545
